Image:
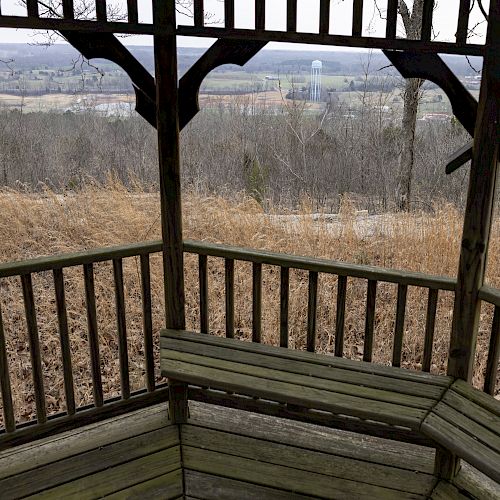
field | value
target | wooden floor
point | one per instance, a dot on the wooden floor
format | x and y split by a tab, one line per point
227	454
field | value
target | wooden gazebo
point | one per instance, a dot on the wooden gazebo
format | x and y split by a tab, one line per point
264	421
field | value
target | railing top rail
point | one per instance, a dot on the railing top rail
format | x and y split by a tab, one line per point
78	258
243	254
490	294
321	265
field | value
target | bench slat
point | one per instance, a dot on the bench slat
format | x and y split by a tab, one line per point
463	445
283	392
480	398
319	359
309	369
464	423
368	394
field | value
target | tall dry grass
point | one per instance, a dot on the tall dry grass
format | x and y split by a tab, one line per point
104	215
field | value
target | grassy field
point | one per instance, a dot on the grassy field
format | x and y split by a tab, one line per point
99	216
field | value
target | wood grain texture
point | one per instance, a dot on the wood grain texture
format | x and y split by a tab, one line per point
229	297
257	302
147	323
203	288
312	306
284	305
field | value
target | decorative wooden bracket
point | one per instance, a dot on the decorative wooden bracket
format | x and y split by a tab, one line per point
107	46
432	67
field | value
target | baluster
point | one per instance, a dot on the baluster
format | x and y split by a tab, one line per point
229	270
357	18
371	296
463	21
284	304
32	7
229	14
68	9
260	14
324	16
340	321
133	13
430	324
95	359
392	19
203	280
427	19
100	10
311	311
291	15
199	13
121	321
36	358
62	319
8	408
400	325
147	321
490	378
257	302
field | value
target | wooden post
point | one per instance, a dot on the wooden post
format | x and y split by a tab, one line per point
167	116
477	223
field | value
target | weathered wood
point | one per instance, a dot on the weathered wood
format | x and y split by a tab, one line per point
306	460
463	21
118	478
101	458
168	486
34	343
490	377
399	325
312	306
357	18
68	9
178	405
229	286
478	214
392	19
133	14
260	14
447	491
147	323
62	318
198	13
229	14
319	265
7	406
121	327
95	358
256	302
340	319
324	16
284	305
100	10
280	477
167	120
371	296
203	283
459	157
489	294
319	359
332	372
291	16
430	326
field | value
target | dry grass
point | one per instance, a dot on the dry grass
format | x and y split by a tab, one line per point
34	225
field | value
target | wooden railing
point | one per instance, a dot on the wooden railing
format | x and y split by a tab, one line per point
152	392
69	18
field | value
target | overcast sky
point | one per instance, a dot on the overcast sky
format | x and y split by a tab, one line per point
445	19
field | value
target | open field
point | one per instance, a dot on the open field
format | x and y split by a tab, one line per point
34	225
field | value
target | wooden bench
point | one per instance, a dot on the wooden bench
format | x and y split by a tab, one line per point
390	402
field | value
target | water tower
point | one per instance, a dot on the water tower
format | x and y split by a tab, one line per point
316	68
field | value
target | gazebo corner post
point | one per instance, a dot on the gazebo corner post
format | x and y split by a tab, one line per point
477	224
167	115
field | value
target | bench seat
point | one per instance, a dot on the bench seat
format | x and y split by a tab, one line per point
467	422
343	387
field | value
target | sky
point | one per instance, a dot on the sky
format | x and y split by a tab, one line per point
445	20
